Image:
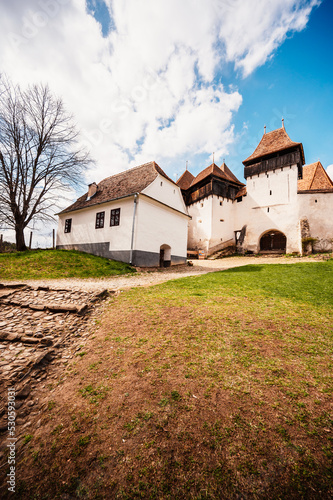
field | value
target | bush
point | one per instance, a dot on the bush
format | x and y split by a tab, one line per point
6	246
307	244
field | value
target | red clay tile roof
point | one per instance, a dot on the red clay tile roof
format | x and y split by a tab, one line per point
185	180
120	185
213	169
315	178
273	142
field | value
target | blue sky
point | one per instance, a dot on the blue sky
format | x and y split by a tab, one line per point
296	84
175	81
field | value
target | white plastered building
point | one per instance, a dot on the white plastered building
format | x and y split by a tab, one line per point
137	216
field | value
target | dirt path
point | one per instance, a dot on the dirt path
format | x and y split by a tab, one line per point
148	277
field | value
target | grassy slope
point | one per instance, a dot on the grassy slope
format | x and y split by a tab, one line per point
43	264
217	386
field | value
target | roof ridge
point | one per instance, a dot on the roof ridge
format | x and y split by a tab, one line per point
128	170
320	165
229	173
184	173
328	177
314	173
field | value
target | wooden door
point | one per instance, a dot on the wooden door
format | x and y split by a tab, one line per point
162	257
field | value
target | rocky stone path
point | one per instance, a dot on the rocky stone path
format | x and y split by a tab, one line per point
39	325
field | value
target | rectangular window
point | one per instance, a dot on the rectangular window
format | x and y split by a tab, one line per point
68	225
115	217
100	220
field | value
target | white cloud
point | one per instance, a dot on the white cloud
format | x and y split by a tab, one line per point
329	170
262	25
147	90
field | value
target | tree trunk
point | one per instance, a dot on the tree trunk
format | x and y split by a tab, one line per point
20	243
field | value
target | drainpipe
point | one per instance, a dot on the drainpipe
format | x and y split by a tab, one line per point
133	226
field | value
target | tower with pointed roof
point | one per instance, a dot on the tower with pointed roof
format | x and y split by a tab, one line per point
275	150
272	172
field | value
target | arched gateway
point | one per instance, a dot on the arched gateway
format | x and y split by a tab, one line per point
273	241
165	256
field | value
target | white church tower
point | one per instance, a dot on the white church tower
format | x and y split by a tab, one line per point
269	211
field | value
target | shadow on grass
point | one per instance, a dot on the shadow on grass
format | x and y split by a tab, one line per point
250	268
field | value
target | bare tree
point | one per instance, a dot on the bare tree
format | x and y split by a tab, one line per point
39	155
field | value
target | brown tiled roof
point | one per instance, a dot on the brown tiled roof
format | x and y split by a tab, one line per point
228	172
185	180
273	142
315	178
213	169
241	192
120	185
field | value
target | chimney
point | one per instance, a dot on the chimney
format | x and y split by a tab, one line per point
92	189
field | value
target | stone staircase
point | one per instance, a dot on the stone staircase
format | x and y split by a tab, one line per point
224	248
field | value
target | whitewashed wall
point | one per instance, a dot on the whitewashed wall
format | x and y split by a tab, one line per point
200	226
213	222
167	192
318	209
261	211
157	225
83	226
223	220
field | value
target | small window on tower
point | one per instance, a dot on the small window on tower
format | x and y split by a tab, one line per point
270	192
221	203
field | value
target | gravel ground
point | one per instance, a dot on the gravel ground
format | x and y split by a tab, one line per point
152	276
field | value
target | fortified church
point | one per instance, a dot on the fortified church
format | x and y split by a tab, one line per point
142	217
285	206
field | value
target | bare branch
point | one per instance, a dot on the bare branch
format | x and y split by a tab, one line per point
38	154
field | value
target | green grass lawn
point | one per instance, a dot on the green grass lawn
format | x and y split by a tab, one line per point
211	387
44	264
